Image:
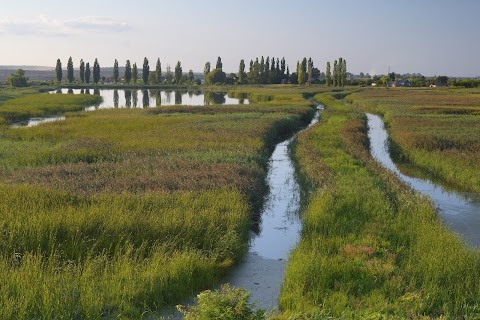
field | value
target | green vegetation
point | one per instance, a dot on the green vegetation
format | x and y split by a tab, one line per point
370	248
435	130
38	105
115	213
224	304
17	79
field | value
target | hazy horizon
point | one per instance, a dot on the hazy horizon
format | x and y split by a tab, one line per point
431	37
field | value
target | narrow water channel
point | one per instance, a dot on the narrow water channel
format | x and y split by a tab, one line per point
262	269
460	211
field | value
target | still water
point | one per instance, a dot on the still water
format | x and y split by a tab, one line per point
460	211
113	98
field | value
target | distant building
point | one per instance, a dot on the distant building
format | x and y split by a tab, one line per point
399	83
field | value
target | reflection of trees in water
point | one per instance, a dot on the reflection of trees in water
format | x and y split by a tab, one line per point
158	97
241	96
96	91
128	98
190	94
134	98
59	91
115	98
214	98
178	97
168	96
87	91
70	91
146	99
82	91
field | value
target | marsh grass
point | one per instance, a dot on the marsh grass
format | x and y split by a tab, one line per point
38	105
115	213
437	131
370	247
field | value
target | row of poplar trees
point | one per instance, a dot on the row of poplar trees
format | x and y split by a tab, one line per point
339	73
131	72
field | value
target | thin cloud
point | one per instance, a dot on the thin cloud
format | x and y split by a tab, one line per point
53	27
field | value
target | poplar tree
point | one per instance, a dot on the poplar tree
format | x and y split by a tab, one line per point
145	71
310	70
344	72
82	71
178	71
339	72
58	70
115	71
70	70
282	66
128	72
328	75
190	77
96	71
335	73
206	70
87	73
134	73
304	70
219	64
262	70
158	71
266	72
241	72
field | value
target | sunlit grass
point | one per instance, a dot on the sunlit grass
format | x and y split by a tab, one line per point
436	130
370	248
119	212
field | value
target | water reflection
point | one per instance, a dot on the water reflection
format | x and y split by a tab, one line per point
118	98
115	98
145	99
70	91
128	99
178	97
459	210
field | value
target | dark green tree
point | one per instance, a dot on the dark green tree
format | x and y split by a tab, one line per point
59	71
262	70
70	70
96	71
219	64
145	71
282	67
128	72
82	71
178	72
391	76
310	71
134	73
190	76
18	79
344	72
216	76
266	72
241	72
115	71
158	71
328	75
339	71
206	70
303	66
335	73
300	74
87	73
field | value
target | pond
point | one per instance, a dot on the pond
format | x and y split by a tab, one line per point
126	98
460	211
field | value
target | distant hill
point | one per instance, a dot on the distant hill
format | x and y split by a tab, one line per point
42	73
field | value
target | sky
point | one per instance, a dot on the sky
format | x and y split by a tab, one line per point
431	37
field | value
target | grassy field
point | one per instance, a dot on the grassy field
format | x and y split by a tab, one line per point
370	248
115	213
435	130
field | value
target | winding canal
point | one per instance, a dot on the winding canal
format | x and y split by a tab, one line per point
460	211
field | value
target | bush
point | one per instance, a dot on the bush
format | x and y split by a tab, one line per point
225	304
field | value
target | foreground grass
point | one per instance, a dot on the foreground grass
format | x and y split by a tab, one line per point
435	130
115	213
370	248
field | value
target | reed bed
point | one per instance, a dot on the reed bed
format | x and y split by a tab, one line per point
370	248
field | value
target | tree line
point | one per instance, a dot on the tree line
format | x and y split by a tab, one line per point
261	71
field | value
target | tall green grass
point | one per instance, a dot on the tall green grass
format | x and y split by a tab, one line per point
437	131
370	248
115	213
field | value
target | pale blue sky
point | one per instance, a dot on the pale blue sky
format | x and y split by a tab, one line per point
432	37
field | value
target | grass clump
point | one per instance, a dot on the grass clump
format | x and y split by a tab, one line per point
370	247
225	304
